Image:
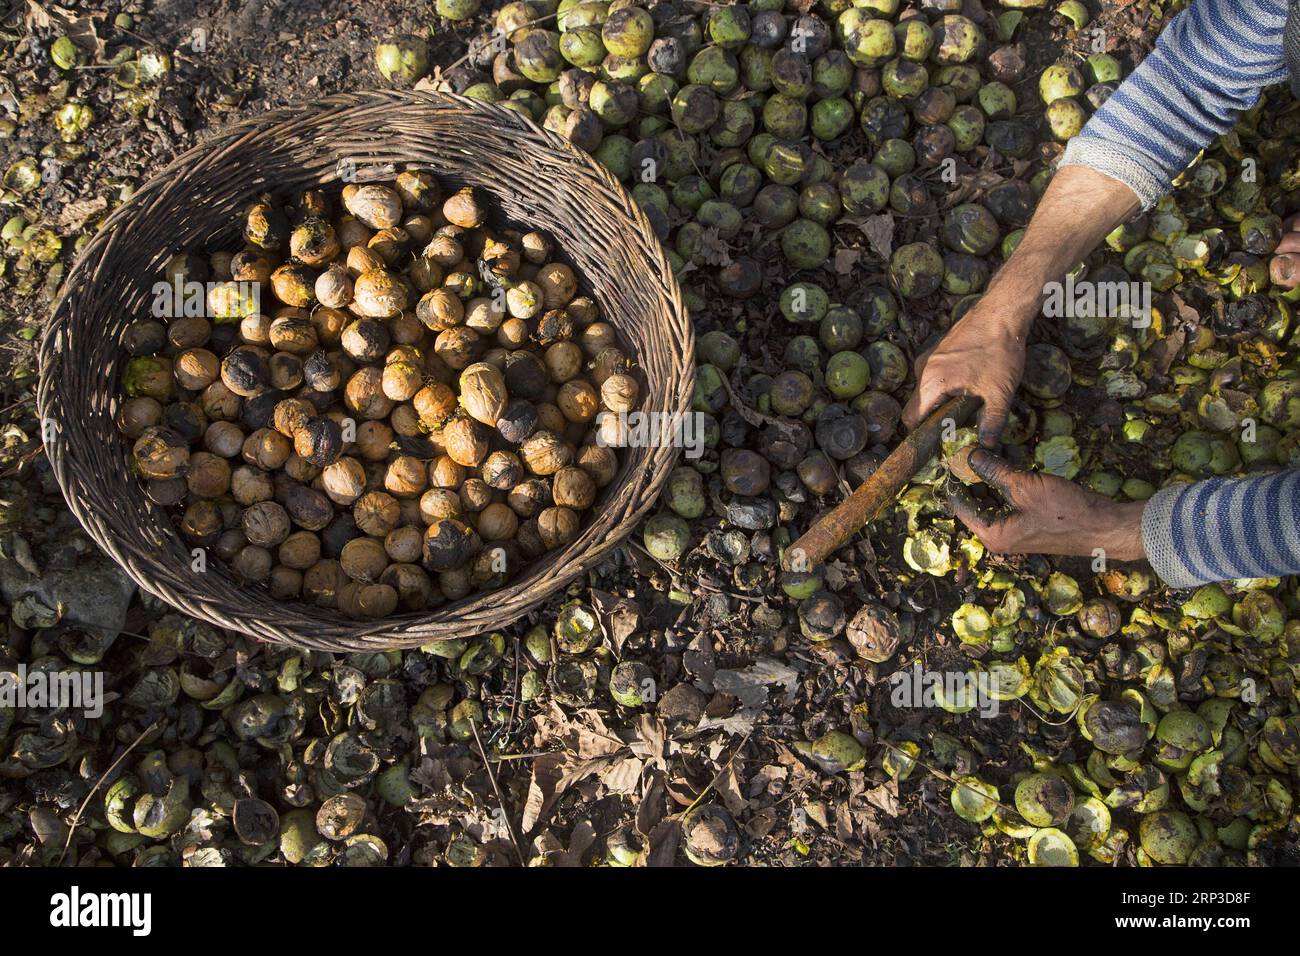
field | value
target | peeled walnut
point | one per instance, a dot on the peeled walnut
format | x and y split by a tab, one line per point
365	340
418	190
363	559
545	453
224	438
402	380
439	503
378	294
598	462
334	287
465	440
252	563
483	393
537	247
201	522
405	544
208	475
374	440
245	371
249	485
475	495
446	251
196	369
251	266
557	283
286	371
512	333
265	524
484	315
457	347
376	513
573	488
596	337
620	393
578	401
497	522
321	583
329	325
464	210
364	394
557	527
344	481
390	244
299	551
220	403
267	449
378	207
406	422
563	361
439	310
285	584
376	600
503	470
434	404
445	472
161	453
308	507
290	415
412	584
528	498
294	285
313	242
406	477
138	414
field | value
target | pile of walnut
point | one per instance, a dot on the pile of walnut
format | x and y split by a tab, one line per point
376	408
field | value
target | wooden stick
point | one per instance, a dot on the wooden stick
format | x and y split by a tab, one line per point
832	529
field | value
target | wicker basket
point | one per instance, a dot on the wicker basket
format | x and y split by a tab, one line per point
533	177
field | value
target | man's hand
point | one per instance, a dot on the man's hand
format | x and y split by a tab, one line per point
1049	515
982	355
1284	267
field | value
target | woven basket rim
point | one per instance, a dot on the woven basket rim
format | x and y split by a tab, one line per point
189	593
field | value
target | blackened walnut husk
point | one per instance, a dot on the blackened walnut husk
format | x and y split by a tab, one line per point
518	421
319	441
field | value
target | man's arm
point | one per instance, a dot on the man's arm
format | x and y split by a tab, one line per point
1220	529
1224	528
983	354
1208	66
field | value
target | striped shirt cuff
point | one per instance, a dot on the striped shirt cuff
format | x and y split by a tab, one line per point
1119	161
1224	529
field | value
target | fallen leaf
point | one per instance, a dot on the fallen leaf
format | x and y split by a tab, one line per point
73	216
879	231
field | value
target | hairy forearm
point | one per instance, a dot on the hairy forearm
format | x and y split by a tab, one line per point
1080	207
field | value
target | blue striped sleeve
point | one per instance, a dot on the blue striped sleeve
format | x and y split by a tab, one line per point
1208	66
1224	528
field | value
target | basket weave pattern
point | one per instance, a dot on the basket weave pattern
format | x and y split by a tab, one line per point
532	177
